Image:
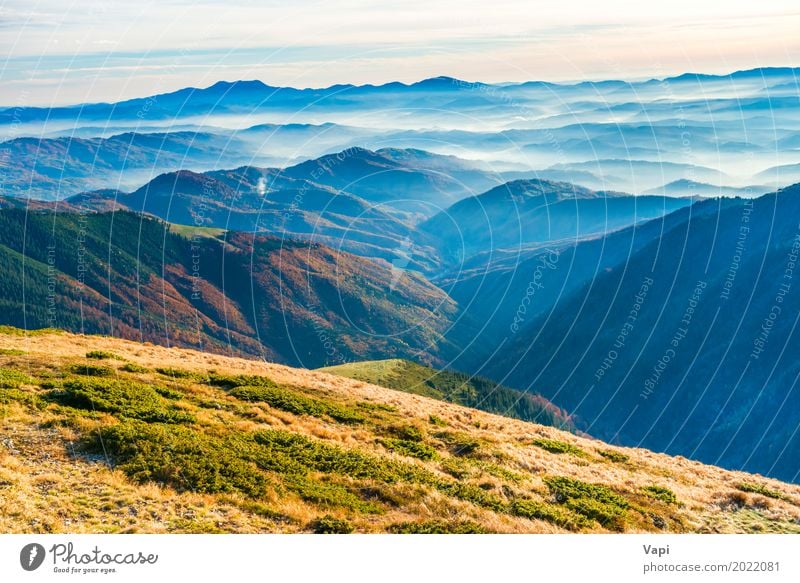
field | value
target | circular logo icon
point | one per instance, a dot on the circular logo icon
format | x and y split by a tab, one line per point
31	556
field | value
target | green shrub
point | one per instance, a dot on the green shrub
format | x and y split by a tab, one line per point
461	444
498	471
181	457
284	452
329	525
594	501
122	398
437	527
13	379
660	493
438	421
179	373
330	495
761	489
102	355
133	367
569	488
558	447
233	381
410	448
456	467
289	453
8	395
470	493
406	432
12	352
614	456
609	516
168	393
296	403
92	370
367	406
533	509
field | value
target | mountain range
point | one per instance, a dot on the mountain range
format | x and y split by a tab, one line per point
610	135
614	258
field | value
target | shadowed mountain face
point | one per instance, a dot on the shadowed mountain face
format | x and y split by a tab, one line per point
684	344
526	213
134	277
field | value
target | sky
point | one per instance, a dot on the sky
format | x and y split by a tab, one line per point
61	51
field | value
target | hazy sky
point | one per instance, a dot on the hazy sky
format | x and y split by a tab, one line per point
57	51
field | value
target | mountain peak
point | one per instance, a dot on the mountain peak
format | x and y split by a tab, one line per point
250	85
537	187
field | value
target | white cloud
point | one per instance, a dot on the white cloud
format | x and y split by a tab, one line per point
321	42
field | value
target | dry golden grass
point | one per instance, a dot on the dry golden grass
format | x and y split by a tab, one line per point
48	485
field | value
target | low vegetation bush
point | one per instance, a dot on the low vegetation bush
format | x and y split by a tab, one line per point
410	448
13	379
122	398
761	489
614	456
406	432
437	527
12	352
295	402
329	525
9	395
92	370
181	457
558	447
133	367
330	495
102	355
534	509
285	452
593	501
660	493
179	373
461	444
233	381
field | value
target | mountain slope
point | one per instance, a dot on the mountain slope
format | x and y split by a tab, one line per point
380	179
685	345
530	212
263	200
454	387
55	168
106	435
132	276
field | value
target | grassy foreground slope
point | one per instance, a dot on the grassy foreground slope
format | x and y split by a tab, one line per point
109	435
454	387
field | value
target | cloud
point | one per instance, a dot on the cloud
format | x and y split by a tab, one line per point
317	42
